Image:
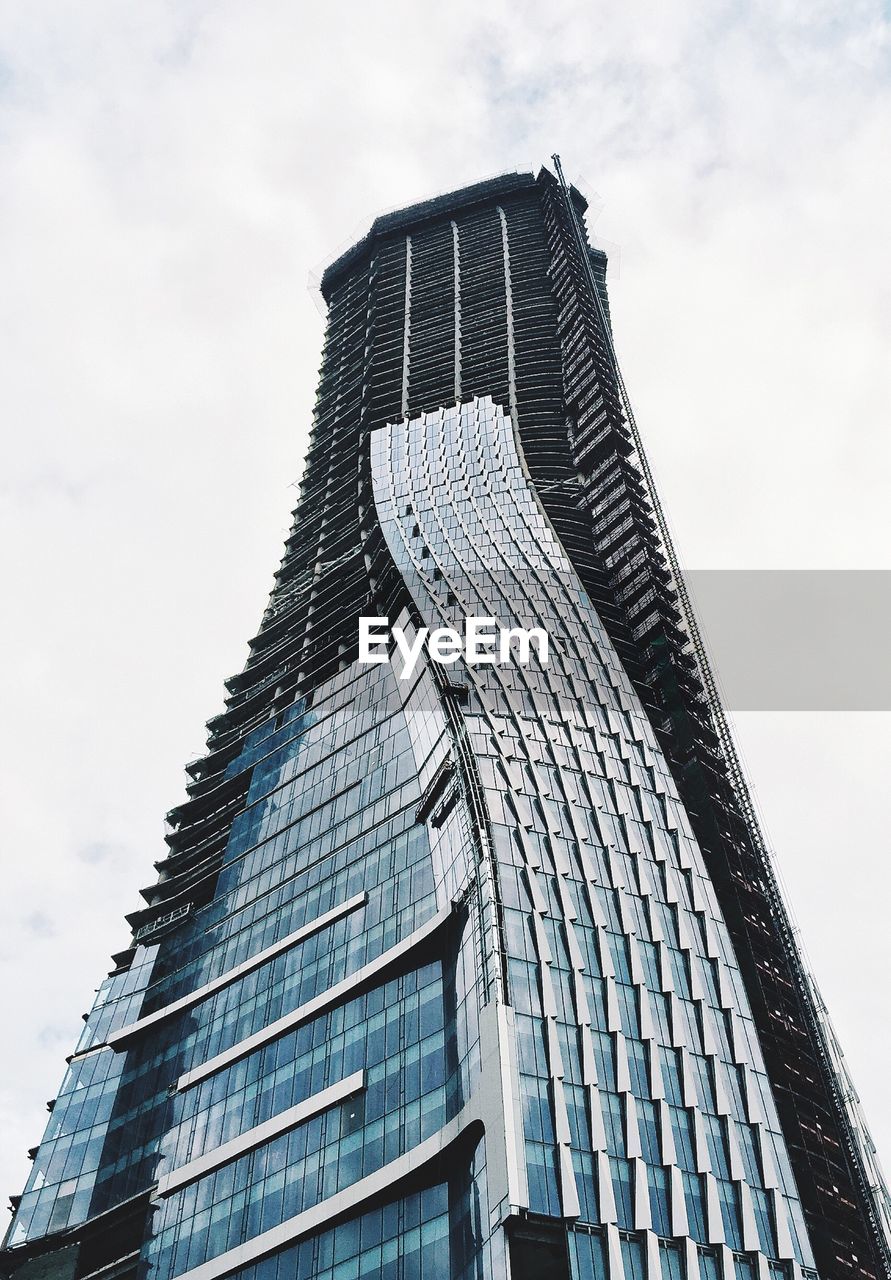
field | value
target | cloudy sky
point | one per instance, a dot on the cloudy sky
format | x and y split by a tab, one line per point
173	176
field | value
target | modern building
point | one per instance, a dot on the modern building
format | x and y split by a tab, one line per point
479	971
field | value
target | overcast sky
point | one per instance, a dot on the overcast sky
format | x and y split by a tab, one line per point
171	176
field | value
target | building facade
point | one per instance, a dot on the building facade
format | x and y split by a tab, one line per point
479	971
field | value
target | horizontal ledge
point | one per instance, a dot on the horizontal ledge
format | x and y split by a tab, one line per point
261	1134
119	1038
85	1053
315	1006
350	1200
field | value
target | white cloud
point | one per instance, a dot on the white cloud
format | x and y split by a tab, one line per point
170	174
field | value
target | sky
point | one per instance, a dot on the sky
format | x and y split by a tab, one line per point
175	174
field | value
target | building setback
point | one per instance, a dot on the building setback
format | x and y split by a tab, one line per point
481	973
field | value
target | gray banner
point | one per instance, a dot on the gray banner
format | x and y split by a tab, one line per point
797	640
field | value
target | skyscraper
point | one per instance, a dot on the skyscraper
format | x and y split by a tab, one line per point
460	969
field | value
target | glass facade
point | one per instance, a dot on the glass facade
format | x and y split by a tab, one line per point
472	973
642	1089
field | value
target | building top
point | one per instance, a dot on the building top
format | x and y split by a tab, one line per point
425	210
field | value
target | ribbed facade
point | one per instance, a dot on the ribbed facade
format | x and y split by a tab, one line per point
483	972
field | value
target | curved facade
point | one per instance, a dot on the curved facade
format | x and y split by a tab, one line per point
477	972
